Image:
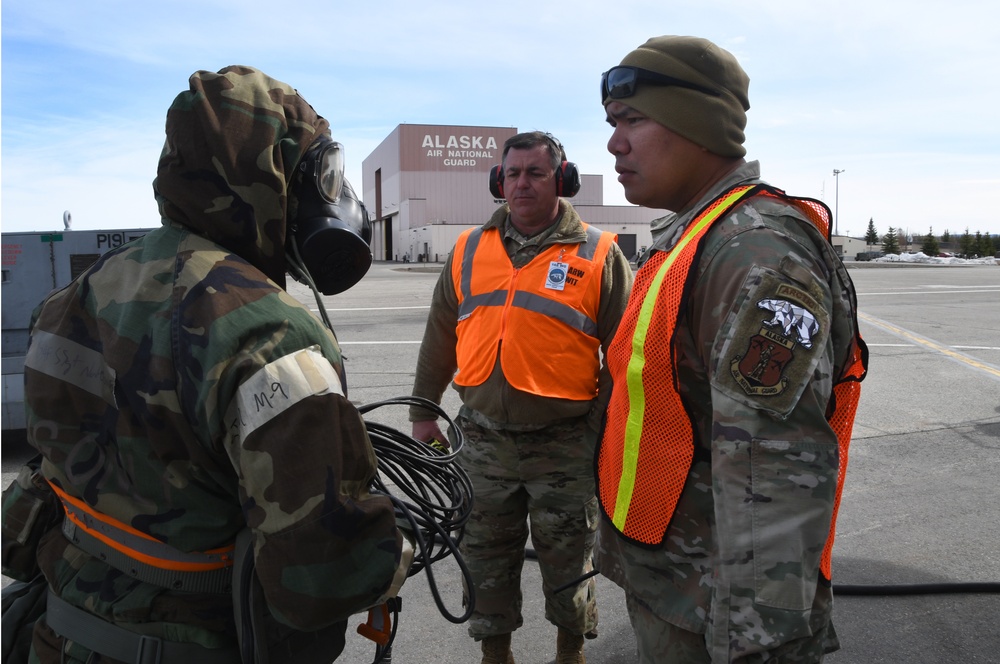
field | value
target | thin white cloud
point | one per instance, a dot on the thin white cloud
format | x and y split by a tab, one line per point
898	95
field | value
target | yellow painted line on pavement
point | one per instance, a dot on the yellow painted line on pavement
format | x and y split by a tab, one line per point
929	343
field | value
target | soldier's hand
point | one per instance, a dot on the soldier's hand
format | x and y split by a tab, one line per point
429	432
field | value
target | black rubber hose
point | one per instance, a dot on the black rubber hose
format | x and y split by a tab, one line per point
435	498
916	588
944	588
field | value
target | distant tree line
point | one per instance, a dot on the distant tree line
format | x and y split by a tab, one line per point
966	246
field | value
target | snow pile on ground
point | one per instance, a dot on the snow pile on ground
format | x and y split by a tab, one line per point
921	257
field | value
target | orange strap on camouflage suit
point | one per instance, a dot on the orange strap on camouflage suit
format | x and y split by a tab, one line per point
648	444
141	556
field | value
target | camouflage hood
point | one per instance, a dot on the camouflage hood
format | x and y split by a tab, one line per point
233	142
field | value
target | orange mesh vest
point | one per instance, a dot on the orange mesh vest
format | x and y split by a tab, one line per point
647	448
542	317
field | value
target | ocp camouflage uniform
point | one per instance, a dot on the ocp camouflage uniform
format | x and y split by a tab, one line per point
738	571
529	457
177	388
554	467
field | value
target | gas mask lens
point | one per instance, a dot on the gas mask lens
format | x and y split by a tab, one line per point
330	171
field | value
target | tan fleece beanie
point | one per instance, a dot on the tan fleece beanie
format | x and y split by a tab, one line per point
715	123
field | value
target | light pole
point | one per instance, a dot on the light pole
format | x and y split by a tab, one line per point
836	199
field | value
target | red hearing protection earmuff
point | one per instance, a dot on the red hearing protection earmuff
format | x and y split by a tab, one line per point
567	180
567	176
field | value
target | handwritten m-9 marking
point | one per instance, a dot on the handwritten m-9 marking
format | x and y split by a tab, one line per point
263	400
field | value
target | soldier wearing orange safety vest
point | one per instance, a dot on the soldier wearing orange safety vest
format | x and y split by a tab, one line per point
736	370
513	309
522	310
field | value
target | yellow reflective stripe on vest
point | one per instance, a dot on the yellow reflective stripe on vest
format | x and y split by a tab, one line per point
636	392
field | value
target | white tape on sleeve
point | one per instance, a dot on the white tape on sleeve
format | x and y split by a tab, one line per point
281	384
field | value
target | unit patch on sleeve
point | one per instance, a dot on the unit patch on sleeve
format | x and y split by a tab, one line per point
773	347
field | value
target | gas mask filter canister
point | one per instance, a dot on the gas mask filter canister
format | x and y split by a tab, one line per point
331	229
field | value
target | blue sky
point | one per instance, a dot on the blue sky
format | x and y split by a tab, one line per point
901	96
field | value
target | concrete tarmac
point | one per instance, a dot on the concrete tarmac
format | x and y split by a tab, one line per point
921	502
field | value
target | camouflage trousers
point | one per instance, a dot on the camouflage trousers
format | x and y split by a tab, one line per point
660	642
544	478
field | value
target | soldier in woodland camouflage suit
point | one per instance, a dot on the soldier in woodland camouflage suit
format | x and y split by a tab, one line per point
176	388
530	424
718	467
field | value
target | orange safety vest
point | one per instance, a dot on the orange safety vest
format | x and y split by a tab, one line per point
541	317
647	448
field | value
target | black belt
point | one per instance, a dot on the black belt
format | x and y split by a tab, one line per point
108	639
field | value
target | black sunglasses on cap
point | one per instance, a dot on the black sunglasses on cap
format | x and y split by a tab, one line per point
621	82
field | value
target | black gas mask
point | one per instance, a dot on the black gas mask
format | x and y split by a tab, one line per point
329	236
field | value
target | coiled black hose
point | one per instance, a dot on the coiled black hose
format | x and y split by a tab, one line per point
431	492
432	495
